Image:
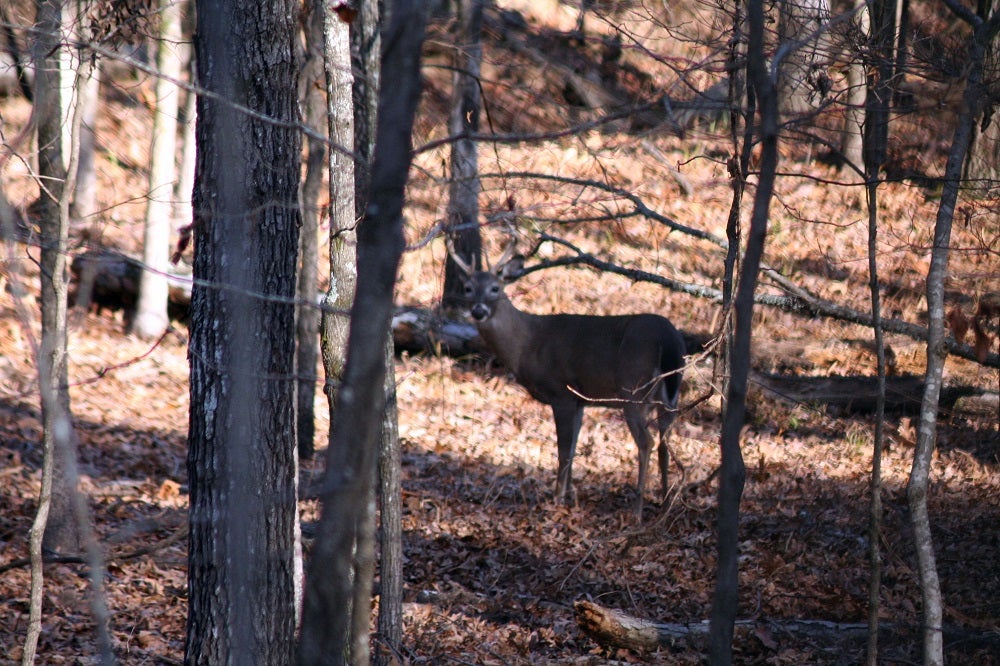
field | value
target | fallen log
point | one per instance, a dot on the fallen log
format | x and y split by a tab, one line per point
612	628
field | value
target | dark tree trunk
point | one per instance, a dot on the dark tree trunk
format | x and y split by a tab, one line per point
331	581
365	45
241	456
881	50
732	474
463	191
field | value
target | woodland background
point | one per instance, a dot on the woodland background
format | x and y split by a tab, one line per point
492	566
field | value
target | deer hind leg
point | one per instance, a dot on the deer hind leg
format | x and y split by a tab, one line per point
569	417
664	418
636	415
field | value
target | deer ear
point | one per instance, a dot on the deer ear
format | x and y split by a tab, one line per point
511	269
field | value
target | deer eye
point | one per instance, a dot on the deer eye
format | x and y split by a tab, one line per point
494	289
468	290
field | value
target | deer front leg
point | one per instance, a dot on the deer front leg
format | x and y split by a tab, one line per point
568	416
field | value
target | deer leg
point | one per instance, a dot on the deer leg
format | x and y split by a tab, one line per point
569	416
635	416
664	418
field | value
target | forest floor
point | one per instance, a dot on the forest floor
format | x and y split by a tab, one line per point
493	567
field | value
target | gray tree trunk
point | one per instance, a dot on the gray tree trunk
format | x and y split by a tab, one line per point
464	188
803	55
62	532
333	580
852	144
974	97
241	451
151	309
314	104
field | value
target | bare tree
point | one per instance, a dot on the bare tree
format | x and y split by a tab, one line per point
365	51
803	55
241	451
732	473
984	33
332	578
881	60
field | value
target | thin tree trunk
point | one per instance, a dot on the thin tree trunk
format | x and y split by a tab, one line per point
852	144
151	310
732	474
343	233
185	170
365	45
973	99
881	45
308	316
464	188
327	617
390	608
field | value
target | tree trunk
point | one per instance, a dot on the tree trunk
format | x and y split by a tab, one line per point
802	56
151	311
186	168
881	50
241	451
973	100
331	583
343	235
732	473
83	205
982	166
365	46
463	190
313	102
62	532
852	140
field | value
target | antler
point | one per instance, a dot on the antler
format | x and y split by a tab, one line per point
508	252
461	263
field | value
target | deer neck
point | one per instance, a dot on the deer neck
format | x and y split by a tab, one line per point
508	332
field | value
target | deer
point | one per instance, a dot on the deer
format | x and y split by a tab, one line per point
571	361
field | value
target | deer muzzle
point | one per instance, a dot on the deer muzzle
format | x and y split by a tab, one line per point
480	311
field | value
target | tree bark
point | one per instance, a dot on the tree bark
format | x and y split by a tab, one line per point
852	139
62	533
351	456
241	451
464	187
803	83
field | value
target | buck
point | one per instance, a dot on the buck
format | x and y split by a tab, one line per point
572	361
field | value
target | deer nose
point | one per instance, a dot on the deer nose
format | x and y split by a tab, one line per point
480	311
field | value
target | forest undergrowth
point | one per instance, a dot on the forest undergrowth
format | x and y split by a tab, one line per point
493	566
